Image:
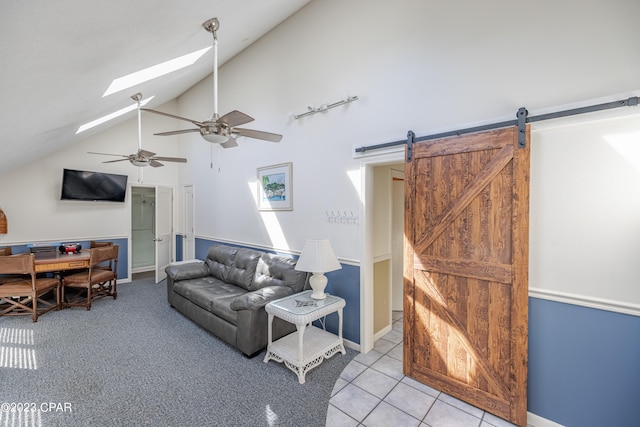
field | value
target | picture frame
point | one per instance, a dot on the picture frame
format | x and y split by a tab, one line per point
275	187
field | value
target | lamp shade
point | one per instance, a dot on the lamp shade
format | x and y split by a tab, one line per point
317	257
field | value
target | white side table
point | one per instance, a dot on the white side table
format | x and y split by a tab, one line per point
305	349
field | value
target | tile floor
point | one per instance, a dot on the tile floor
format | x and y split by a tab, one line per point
372	391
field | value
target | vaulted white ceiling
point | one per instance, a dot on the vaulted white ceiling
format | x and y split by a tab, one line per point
59	57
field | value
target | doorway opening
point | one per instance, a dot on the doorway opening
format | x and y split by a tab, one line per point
381	280
151	239
387	239
143	252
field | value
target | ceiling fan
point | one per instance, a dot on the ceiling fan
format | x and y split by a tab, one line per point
142	157
219	130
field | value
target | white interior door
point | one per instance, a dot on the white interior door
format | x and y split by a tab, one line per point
189	242
163	230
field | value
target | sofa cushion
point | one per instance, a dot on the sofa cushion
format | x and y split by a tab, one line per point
276	270
219	260
244	268
211	294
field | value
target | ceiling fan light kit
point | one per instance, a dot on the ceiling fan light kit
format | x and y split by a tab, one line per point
219	130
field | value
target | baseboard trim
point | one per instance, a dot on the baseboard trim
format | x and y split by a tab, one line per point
382	332
534	420
351	345
586	301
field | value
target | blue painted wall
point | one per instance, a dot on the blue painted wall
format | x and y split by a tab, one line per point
584	365
344	283
179	248
123	253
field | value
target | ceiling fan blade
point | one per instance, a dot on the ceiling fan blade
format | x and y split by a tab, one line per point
176	132
231	142
107	154
258	134
195	122
235	118
171	159
118	160
155	164
145	153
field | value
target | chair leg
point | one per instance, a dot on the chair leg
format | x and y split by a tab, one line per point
89	297
58	301
34	315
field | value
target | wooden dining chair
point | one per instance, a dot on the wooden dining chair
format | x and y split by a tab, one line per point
5	278
96	282
25	295
96	244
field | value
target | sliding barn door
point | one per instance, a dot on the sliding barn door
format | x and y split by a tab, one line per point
466	268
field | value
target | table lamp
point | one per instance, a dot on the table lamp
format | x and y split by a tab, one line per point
317	257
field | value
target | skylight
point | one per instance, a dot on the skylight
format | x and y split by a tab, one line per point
111	116
154	71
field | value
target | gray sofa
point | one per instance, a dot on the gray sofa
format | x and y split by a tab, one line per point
226	294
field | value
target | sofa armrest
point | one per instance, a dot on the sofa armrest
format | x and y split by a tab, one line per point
257	299
191	270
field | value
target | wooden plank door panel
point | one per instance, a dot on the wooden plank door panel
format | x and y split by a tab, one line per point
466	250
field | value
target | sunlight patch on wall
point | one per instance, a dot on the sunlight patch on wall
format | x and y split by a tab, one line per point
356	178
270	221
17	355
627	145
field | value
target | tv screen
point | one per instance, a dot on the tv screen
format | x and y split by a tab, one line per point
93	186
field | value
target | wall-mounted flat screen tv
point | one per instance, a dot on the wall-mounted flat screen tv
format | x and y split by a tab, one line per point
93	186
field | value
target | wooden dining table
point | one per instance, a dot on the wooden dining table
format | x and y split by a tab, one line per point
63	262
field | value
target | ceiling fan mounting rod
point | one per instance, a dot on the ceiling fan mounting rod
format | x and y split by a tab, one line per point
138	97
212	25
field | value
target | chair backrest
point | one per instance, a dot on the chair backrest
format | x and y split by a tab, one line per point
102	254
96	244
17	264
5	251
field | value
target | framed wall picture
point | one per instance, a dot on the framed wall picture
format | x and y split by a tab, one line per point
275	188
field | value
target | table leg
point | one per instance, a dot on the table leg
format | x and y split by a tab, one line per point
300	368
301	329
269	338
343	351
270	330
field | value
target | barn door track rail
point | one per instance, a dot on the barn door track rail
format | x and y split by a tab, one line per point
521	121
